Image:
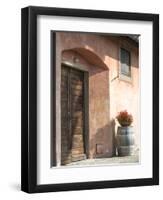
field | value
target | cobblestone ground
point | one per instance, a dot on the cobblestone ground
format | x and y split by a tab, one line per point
111	161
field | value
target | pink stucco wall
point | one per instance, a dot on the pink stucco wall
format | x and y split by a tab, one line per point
108	92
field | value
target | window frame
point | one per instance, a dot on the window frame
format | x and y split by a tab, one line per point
120	62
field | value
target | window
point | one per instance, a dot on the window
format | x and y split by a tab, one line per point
125	62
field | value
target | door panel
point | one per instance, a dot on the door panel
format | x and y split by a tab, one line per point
72	115
65	132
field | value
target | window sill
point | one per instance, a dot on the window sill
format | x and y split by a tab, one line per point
125	78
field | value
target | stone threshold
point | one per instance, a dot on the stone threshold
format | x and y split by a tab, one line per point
112	160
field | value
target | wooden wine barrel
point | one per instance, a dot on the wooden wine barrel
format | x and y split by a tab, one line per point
125	141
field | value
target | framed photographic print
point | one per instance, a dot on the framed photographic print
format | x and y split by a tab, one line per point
90	99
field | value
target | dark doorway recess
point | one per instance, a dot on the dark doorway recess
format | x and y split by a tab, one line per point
74	115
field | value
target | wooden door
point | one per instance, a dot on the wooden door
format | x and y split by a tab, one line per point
72	115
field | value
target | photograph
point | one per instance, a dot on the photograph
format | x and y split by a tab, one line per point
99	99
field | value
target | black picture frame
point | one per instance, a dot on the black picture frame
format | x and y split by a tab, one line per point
29	99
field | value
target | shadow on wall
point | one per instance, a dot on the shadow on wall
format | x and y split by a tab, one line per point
113	126
103	143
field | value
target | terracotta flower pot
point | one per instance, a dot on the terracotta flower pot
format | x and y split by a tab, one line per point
124	124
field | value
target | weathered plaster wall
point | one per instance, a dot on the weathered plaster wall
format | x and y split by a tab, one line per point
124	93
108	93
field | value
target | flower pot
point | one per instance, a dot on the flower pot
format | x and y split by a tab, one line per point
125	141
125	124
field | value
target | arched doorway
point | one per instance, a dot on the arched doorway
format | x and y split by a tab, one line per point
84	106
